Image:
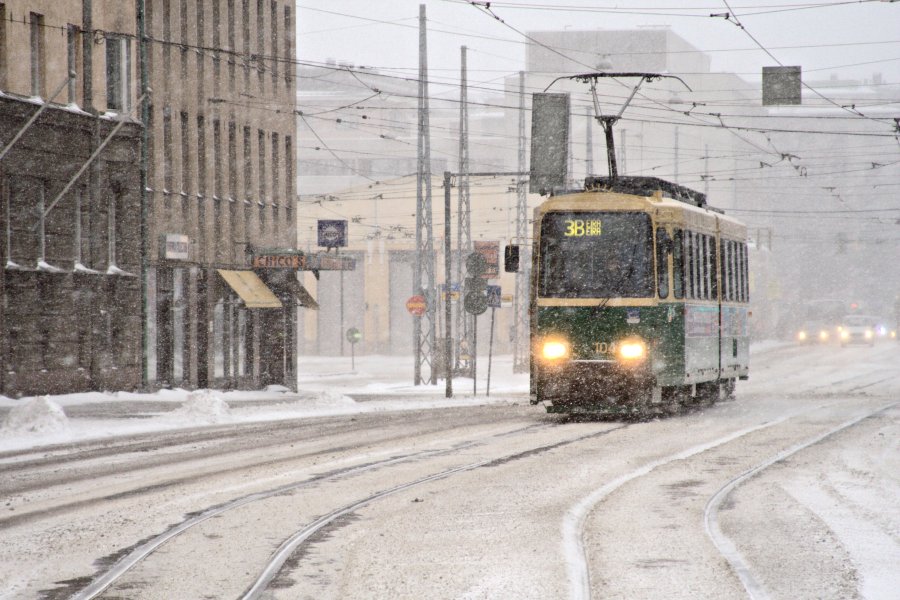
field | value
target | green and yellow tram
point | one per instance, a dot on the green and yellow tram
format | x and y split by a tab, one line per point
639	299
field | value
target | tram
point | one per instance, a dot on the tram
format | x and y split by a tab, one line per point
639	299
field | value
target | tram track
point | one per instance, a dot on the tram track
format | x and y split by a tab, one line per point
574	522
107	579
728	549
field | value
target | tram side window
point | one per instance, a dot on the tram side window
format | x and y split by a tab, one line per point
729	264
662	262
739	272
746	271
695	265
702	267
714	276
678	264
723	260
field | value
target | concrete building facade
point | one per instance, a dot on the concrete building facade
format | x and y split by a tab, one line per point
139	273
70	264
220	188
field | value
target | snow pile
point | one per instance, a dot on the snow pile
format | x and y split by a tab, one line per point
38	415
330	399
203	406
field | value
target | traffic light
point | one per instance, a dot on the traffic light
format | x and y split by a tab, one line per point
475	285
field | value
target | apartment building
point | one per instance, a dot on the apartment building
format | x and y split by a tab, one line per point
134	204
220	187
70	292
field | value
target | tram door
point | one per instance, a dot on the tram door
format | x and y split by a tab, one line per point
402	265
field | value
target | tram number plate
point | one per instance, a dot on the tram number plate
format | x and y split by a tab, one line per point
604	347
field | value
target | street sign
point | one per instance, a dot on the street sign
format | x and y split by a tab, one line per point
416	305
475	303
493	296
353	335
332	233
490	250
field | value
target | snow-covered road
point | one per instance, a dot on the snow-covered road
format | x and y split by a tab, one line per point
793	487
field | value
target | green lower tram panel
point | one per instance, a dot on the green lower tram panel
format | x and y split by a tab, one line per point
684	354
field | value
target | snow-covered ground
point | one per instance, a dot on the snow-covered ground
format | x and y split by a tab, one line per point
327	386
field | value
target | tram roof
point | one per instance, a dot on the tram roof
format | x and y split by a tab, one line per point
646	186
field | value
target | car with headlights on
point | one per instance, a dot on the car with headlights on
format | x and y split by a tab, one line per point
814	332
858	329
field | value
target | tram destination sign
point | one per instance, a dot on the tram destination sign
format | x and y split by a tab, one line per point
300	261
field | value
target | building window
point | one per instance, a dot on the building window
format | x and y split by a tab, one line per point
288	36
289	176
184	39
217	43
201	156
248	179
73	53
185	155
260	41
38	55
167	37
201	43
232	45
273	40
168	180
118	73
2	46
248	165
217	159
245	19
276	151
232	161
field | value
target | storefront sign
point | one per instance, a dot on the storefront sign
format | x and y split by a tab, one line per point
299	261
175	246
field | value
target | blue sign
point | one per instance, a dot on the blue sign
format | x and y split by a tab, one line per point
493	296
332	233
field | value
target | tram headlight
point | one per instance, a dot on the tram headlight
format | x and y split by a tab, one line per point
631	351
554	350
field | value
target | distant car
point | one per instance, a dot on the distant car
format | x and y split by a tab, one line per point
858	329
813	332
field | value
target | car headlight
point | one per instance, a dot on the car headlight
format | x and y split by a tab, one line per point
801	335
823	335
632	350
893	335
869	334
845	335
554	350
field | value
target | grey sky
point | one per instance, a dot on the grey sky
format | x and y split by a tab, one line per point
848	39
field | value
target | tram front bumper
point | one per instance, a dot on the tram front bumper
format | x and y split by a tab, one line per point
592	381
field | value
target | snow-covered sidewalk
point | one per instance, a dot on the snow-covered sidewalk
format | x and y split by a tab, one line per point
327	386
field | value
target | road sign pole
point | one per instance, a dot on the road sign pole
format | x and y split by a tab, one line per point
474	354
490	351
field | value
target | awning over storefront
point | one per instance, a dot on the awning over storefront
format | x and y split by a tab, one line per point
250	288
304	298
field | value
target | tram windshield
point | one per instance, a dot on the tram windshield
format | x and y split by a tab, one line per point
596	255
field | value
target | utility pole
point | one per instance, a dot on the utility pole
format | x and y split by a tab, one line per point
463	211
589	142
423	279
521	329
